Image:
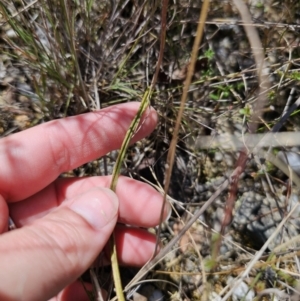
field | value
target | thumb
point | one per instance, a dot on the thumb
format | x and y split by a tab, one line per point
39	260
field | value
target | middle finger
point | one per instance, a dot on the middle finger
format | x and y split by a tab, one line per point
140	204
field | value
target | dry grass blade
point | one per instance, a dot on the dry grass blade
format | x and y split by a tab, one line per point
23	9
235	142
259	57
258	255
190	73
152	263
258	106
255	143
71	31
171	153
187	83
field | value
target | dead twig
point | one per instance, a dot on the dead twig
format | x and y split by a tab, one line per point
255	119
151	264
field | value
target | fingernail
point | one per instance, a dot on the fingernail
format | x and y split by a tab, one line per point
167	211
98	206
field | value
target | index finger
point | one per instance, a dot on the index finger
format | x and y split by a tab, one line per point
32	159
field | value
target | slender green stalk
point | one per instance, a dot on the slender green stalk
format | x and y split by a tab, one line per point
131	131
116	172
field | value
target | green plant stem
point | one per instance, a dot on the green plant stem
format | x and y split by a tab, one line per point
130	133
116	172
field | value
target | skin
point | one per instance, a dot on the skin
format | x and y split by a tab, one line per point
64	223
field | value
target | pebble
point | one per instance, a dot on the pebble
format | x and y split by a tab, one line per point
291	158
218	156
157	295
242	292
214	297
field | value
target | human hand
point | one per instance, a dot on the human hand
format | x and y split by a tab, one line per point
64	223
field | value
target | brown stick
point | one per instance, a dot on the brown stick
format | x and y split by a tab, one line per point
259	57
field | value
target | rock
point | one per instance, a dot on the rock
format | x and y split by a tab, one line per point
148	292
157	295
242	292
214	297
291	158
